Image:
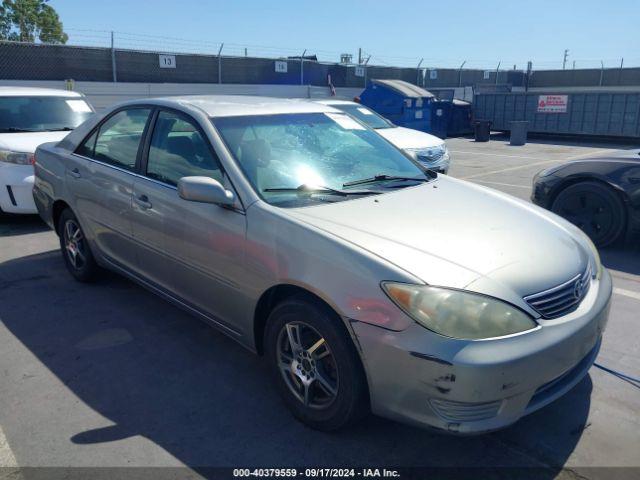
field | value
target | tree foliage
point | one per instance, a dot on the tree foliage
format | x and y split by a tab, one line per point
30	20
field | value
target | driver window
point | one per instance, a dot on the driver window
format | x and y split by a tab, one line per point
178	149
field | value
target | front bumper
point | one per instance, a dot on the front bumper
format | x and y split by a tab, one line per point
16	185
462	386
542	188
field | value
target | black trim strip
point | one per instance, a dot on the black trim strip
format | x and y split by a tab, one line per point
431	358
11	197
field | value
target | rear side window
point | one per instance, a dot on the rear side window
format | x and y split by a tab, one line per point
117	140
178	149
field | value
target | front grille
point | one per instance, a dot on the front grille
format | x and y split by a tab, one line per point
464	412
431	156
563	299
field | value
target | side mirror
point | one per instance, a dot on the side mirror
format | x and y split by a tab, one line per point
204	190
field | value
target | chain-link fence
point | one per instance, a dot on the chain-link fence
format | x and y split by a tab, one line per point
121	62
22	61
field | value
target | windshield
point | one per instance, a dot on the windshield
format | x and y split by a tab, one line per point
313	149
40	114
365	115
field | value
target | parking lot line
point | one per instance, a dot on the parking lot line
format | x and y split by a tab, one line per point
496	155
509	169
7	458
536	164
626	293
504	184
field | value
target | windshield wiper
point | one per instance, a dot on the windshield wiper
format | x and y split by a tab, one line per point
61	129
319	189
383	178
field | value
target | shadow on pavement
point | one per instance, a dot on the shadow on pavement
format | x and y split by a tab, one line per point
622	258
11	225
576	141
154	371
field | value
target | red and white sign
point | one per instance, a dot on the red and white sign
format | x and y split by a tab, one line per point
552	103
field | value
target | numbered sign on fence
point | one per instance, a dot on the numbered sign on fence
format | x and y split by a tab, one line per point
359	71
167	61
281	66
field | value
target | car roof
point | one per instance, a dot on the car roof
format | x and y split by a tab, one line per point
238	105
36	92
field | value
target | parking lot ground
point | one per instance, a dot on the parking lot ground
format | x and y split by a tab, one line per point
110	375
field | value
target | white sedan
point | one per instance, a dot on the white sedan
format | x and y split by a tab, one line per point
30	117
429	150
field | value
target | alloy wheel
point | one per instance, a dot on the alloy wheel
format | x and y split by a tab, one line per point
307	365
74	244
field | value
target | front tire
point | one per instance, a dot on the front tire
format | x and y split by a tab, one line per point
315	365
75	248
594	208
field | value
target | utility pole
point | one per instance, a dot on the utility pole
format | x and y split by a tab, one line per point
302	67
418	72
460	74
360	56
601	71
113	59
564	60
220	63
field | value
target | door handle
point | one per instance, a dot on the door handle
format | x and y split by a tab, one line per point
143	201
75	173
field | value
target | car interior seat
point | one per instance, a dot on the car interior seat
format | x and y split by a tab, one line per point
254	155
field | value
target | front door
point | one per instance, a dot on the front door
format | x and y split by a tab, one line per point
193	250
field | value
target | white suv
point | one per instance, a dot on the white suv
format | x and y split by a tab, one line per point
30	117
429	150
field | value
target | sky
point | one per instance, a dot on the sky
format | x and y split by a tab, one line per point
443	33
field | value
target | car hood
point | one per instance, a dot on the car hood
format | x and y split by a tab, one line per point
28	141
456	234
407	138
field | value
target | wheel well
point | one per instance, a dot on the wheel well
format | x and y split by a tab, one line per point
573	181
278	293
272	297
59	206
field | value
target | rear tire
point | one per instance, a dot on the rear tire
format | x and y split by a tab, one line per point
75	249
594	208
315	365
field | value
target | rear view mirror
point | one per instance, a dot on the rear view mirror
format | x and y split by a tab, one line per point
204	190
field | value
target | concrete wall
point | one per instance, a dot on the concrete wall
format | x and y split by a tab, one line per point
104	94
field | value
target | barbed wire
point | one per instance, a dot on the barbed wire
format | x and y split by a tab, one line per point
170	44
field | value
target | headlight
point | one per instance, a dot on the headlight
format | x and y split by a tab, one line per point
17	158
456	313
596	264
549	171
436	154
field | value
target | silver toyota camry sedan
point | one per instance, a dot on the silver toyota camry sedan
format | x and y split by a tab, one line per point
367	282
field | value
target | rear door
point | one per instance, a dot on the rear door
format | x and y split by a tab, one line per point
100	178
193	250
